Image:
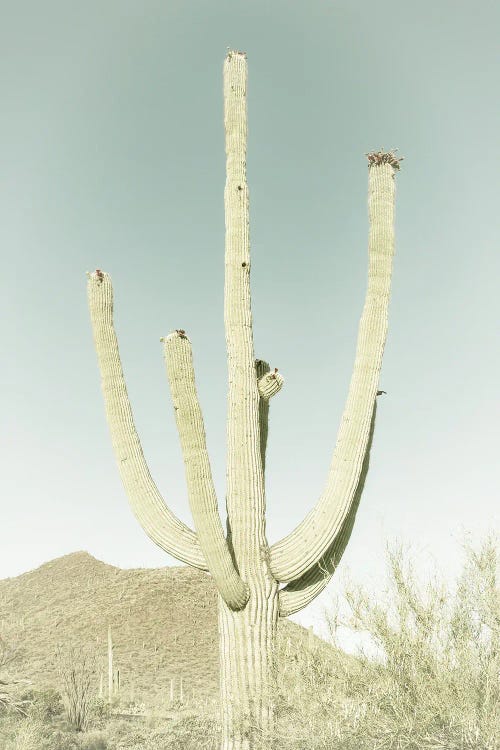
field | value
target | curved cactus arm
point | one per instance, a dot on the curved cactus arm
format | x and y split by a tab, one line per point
294	555
297	594
159	523
201	489
268	383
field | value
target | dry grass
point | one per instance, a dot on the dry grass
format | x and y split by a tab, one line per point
434	683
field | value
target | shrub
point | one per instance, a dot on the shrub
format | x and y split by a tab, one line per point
29	735
98	712
77	671
59	740
93	740
43	704
434	683
430	683
10	702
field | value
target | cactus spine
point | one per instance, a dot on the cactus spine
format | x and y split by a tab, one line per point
247	571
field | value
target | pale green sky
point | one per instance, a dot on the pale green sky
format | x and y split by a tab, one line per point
112	154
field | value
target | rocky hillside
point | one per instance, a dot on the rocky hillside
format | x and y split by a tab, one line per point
163	622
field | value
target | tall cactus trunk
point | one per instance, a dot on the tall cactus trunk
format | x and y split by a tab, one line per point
248	571
246	636
246	643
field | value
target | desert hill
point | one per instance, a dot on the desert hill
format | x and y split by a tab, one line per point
163	622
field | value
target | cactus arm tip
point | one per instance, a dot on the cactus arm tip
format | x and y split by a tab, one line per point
233	52
384	157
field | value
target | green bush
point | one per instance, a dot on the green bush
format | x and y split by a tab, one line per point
43	704
60	740
29	734
94	740
98	712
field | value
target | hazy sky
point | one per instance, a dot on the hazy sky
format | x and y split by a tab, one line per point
112	156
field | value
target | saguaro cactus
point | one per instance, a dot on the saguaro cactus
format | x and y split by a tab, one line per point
110	665
246	569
